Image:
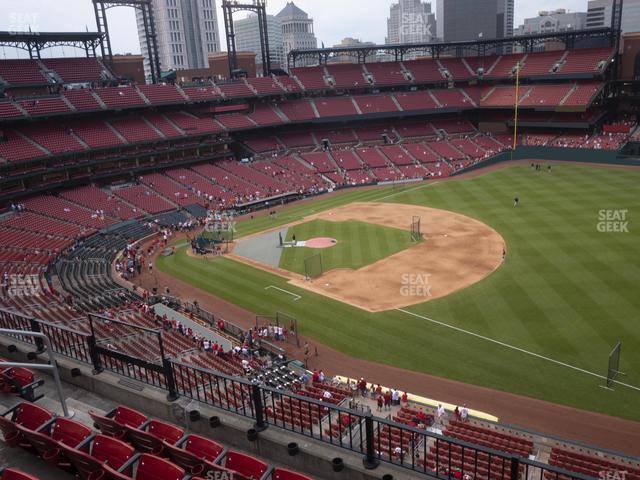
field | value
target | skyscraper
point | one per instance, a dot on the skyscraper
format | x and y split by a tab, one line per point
410	21
247	33
186	30
553	21
599	14
297	30
459	20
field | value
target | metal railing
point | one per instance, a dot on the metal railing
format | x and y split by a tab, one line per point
377	439
64	340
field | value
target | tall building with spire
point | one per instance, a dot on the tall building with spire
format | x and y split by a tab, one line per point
297	31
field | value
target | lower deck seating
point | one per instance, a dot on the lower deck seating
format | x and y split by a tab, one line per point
590	465
502	441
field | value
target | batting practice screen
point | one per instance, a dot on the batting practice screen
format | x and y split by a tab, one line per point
415	229
313	266
614	364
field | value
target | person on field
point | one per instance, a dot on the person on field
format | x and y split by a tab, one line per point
516	201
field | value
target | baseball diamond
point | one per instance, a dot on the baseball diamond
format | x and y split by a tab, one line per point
411	260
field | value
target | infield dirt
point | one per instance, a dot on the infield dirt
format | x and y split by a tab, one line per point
456	252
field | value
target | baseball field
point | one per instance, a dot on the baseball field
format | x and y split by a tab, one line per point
540	323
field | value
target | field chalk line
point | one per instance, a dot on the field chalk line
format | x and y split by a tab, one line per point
297	297
537	355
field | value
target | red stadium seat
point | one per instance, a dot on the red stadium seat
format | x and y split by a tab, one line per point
147	467
114	423
25	415
283	474
13	379
202	447
62	432
246	465
13	474
101	449
196	454
149	438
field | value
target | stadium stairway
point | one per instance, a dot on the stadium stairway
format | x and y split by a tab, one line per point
86	271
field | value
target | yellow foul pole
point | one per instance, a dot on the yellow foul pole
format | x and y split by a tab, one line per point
515	120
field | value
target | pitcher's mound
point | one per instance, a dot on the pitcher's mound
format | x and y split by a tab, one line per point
320	242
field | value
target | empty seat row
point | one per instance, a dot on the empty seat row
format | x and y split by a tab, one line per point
129	446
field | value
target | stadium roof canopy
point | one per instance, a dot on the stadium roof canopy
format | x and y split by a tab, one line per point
461	48
35	42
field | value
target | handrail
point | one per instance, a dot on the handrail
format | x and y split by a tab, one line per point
52	367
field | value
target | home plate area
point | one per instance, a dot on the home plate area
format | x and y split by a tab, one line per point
320	242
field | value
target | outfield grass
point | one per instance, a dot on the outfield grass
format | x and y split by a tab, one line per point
359	244
566	291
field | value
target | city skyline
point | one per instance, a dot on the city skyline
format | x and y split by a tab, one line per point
367	24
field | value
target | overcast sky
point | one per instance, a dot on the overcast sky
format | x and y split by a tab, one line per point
334	19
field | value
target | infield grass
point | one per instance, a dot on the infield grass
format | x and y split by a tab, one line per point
566	291
359	244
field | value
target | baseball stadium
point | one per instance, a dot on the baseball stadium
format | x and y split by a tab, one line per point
407	260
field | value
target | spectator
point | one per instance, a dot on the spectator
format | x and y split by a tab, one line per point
440	412
464	413
387	400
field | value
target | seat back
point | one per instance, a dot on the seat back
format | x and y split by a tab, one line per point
202	447
69	432
111	450
156	468
284	474
107	425
84	463
13	474
164	431
144	441
24	376
184	459
108	473
129	417
40	442
31	416
12	379
9	430
246	465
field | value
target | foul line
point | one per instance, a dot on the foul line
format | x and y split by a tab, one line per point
498	342
297	297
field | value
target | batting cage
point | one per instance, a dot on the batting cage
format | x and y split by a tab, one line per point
313	266
416	233
217	234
